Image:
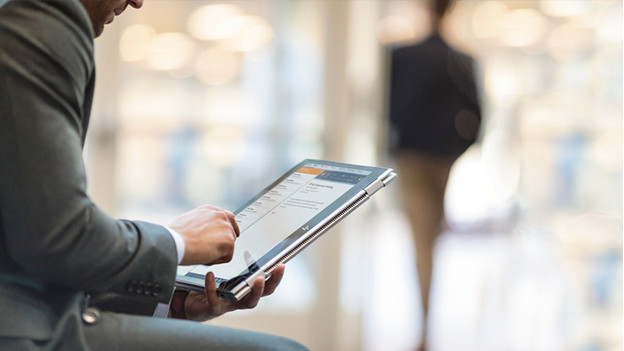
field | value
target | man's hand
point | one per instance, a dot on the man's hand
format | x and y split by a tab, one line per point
209	234
201	307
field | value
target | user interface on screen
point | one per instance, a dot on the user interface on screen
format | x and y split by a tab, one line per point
279	212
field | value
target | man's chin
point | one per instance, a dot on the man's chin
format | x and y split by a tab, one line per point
98	30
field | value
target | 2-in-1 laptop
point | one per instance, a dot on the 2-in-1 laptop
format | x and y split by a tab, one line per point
285	218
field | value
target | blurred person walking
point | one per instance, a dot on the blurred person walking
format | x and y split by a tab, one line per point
434	117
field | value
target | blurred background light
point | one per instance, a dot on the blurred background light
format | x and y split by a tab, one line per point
170	51
253	33
607	80
392	29
163	107
569	40
500	80
486	19
558	8
135	42
608	25
144	152
607	151
217	66
501	162
522	27
224	146
466	196
230	108
213	22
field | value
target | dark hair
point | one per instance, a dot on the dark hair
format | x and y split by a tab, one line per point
440	7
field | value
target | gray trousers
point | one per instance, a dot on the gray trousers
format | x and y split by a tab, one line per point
114	331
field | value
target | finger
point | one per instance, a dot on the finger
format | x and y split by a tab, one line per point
211	290
226	250
257	289
232	219
227	258
224	259
276	278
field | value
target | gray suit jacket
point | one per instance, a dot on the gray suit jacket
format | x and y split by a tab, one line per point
55	244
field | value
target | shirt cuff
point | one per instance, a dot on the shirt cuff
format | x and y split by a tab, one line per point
179	243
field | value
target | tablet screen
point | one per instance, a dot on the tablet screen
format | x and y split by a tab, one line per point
279	211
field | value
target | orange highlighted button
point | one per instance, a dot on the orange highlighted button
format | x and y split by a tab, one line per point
308	170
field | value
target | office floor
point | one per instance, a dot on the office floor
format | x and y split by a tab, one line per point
464	262
491	291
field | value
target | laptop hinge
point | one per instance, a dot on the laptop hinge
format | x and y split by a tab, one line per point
374	186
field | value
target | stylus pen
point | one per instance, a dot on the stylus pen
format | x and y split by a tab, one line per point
250	261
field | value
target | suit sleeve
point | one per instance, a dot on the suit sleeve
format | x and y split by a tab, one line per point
51	227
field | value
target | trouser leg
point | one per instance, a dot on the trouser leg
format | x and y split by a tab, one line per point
423	180
126	332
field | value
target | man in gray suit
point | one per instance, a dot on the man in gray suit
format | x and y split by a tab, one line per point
56	247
